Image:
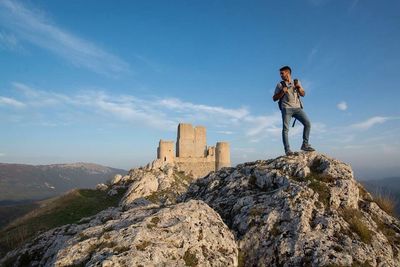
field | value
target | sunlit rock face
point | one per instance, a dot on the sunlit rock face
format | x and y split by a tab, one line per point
302	210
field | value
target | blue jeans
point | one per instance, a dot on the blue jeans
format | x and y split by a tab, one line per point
300	115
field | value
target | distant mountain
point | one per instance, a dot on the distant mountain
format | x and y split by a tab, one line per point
33	182
392	183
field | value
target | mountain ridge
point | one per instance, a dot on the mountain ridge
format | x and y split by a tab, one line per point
33	182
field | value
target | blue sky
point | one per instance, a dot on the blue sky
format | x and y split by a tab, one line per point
103	81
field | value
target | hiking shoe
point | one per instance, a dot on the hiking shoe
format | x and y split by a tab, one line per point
307	147
289	152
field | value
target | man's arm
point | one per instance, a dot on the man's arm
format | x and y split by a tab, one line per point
280	94
300	89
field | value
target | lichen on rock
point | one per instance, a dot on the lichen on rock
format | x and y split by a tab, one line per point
301	210
294	211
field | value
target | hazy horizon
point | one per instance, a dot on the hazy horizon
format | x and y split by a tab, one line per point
101	82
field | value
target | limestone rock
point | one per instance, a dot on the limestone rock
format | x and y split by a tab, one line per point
302	210
189	233
102	187
159	182
116	179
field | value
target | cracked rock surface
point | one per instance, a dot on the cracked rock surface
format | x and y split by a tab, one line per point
189	233
302	210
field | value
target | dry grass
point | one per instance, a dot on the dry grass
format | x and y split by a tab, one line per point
385	201
143	245
354	218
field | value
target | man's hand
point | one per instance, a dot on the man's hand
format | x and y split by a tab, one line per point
300	90
285	90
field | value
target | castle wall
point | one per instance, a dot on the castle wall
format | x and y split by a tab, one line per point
200	143
185	141
192	154
198	167
211	152
222	155
166	151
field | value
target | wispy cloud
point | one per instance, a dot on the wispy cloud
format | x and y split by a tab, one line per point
154	112
8	41
225	132
311	55
33	27
178	105
262	125
6	101
370	122
342	106
159	113
40	98
2	154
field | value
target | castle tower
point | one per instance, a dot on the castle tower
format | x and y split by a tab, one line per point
185	141
165	151
200	142
222	155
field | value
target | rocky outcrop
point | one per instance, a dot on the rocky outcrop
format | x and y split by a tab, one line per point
303	210
158	182
189	233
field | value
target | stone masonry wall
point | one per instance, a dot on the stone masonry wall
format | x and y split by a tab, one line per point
197	168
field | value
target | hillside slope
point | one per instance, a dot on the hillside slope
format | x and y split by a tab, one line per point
47	214
302	210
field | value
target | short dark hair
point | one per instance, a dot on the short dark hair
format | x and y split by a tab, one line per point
286	68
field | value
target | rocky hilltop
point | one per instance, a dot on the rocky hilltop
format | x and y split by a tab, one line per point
302	210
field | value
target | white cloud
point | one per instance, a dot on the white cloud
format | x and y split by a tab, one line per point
342	105
2	154
6	101
225	132
311	55
262	125
158	113
40	98
30	26
370	122
178	105
8	41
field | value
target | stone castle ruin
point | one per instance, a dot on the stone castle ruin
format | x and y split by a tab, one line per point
192	153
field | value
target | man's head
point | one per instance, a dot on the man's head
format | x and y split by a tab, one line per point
285	73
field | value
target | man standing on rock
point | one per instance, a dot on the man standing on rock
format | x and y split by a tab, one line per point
288	93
